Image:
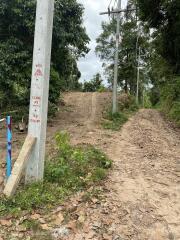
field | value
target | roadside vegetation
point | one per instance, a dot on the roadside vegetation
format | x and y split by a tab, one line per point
17	22
156	39
72	169
127	107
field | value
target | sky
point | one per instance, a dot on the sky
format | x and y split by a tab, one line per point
91	64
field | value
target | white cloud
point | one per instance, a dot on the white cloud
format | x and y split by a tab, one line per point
91	64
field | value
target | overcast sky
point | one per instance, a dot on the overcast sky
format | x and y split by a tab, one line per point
91	64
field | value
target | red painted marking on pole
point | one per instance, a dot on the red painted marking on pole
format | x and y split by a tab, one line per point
36	97
38	73
35	120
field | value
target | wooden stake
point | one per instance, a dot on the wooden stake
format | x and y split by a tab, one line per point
19	166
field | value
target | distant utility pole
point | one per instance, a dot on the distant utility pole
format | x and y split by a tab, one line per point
138	76
118	12
40	88
114	110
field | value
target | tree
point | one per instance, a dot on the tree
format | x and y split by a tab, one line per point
128	49
17	21
94	84
163	17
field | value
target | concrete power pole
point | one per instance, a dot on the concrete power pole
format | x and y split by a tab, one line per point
118	12
40	87
138	76
114	110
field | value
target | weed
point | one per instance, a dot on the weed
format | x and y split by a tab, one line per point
31	224
115	121
127	106
72	169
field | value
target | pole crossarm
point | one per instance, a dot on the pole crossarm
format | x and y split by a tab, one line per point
118	11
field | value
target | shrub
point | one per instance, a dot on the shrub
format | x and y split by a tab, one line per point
115	121
127	102
175	112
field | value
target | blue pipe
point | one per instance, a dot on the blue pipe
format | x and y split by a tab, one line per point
9	147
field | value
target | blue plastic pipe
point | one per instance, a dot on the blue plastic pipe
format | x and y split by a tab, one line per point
9	147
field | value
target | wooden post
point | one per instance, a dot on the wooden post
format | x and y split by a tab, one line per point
40	88
19	166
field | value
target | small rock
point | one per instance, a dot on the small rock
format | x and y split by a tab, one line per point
59	219
21	228
60	232
35	216
82	218
106	237
72	226
96	225
45	227
41	220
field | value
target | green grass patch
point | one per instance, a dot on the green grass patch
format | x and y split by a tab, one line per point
114	121
72	169
127	106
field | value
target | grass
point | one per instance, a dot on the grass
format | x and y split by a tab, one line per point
114	121
72	169
127	106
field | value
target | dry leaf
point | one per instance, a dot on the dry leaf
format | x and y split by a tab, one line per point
6	223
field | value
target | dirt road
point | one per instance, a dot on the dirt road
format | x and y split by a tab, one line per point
140	200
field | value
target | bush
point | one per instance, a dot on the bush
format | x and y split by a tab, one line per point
127	106
170	99
147	100
127	102
154	95
114	121
175	112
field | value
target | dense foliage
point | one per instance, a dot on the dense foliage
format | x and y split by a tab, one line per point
17	22
163	17
94	85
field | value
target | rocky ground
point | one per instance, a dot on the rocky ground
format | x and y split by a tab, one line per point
140	200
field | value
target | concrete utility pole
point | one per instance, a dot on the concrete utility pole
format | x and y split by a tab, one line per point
118	11
114	110
138	76
40	88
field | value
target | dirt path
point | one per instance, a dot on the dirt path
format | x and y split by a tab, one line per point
140	200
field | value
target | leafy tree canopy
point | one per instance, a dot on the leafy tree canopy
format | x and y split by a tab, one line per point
132	37
17	22
164	17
